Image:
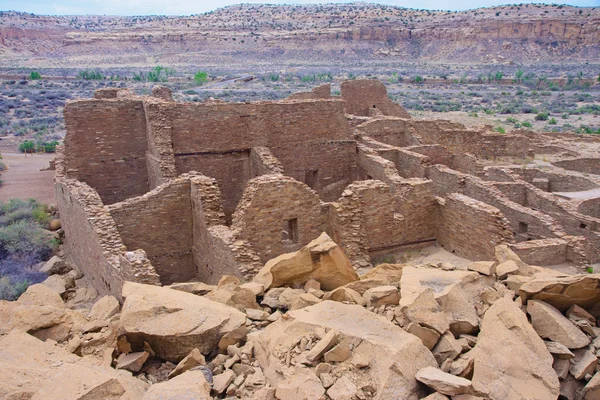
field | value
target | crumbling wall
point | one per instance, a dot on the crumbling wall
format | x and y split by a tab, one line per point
542	251
231	170
319	92
160	158
105	146
93	242
216	250
160	222
311	139
263	162
471	228
392	131
361	95
586	165
278	214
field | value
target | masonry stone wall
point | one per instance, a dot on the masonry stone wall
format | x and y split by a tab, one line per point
361	95
393	131
542	251
267	211
587	165
106	146
558	180
93	242
470	228
160	222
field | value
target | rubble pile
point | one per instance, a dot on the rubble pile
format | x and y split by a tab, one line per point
309	328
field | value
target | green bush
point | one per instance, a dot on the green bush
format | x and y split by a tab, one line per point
201	77
34	76
552	121
90	75
541	117
27	147
526	124
418	79
500	129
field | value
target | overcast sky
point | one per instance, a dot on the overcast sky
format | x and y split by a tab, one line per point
186	7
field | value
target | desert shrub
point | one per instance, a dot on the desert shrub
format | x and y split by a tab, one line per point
541	117
418	79
201	77
511	120
90	75
23	244
552	121
526	124
500	129
34	76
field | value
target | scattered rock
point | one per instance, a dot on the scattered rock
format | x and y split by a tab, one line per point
322	260
190	385
591	391
41	295
56	265
443	382
487	268
222	381
133	361
345	294
549	323
563	292
428	336
342	389
382	295
197	288
104	308
304	385
326	343
192	360
585	363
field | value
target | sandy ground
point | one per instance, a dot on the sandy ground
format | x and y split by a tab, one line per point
23	178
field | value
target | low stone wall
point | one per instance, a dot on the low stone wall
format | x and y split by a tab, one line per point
93	242
542	251
470	228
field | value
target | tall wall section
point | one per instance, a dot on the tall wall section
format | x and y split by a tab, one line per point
160	222
93	242
105	146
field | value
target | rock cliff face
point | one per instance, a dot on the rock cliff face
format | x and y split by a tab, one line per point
526	33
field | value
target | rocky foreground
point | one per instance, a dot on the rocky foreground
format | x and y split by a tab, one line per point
308	327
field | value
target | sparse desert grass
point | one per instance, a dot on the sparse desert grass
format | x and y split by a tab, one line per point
23	244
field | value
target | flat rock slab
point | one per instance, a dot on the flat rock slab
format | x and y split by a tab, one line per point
549	323
443	382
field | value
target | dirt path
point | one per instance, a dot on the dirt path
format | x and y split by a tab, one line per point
23	178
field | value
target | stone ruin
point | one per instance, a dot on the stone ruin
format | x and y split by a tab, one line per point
158	192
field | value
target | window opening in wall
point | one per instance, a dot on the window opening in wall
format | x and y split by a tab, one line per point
369	177
523	227
311	178
582	225
374	106
290	231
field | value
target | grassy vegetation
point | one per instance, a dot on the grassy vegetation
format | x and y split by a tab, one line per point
23	244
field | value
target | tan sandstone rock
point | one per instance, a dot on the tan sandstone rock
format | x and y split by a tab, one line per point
322	260
510	360
189	385
394	356
549	323
443	382
382	295
345	294
303	385
174	323
563	292
104	308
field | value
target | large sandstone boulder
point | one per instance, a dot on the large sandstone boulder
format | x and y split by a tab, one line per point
322	260
510	360
393	356
34	369
563	291
381	275
174	322
549	323
45	321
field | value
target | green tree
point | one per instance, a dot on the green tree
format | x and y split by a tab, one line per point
519	76
34	75
27	147
201	77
